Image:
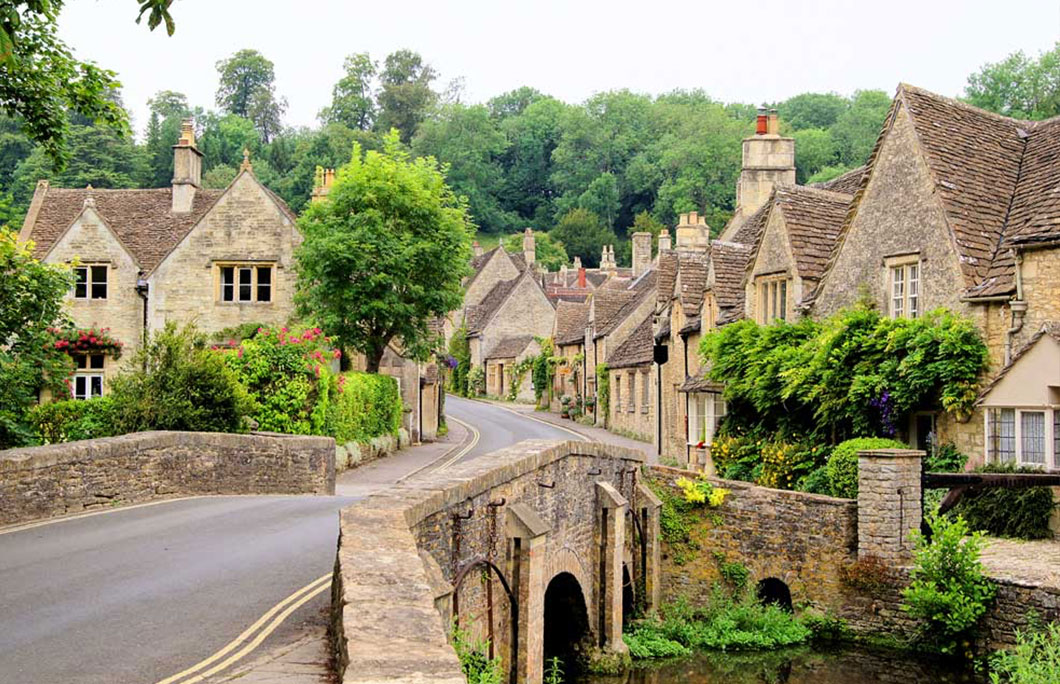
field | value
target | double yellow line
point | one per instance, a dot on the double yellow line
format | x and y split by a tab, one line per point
253	636
450	457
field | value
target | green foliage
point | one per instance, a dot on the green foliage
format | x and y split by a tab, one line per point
826	627
71	420
352	104
738	456
842	467
476	382
178	383
547	250
700	492
735	575
949	592
31	301
583	235
816	481
368	405
1019	513
384	254
1034	660
676	519
543	368
554	671
603	391
853	374
475	662
519	372
945	458
405	97
246	90
1018	86
460	349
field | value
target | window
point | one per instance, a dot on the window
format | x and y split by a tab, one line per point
88	379
616	383
773	299
1022	436
645	392
90	282
905	290
1032	437
245	283
632	391
705	413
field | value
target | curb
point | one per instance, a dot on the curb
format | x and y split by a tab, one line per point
579	435
449	452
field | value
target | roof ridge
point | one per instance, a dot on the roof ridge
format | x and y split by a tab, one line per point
968	107
831	194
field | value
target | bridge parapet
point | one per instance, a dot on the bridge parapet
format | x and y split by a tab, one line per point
500	527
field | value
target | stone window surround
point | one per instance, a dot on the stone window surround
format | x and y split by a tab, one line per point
632	405
88	376
91	269
901	262
253	265
1051	447
645	393
768	288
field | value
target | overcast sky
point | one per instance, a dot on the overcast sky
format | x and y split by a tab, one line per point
748	51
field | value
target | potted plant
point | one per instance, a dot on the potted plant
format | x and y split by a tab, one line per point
564	406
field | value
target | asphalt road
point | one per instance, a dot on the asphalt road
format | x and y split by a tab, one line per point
139	594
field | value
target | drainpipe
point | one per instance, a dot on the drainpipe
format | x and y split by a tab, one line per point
419	400
142	289
1018	308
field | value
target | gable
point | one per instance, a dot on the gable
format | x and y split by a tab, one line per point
495	268
1032	379
774	252
89	238
525	311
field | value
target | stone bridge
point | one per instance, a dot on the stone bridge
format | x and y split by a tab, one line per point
542	548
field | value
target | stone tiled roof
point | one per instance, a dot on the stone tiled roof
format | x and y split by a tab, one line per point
642	287
700	383
510	347
1035	213
480	314
1050	328
729	260
667	269
847	183
813	219
606	304
692	277
636	350
141	219
691	325
571	319
595	278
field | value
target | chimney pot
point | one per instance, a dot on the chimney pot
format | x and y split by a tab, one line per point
774	123
762	124
581	274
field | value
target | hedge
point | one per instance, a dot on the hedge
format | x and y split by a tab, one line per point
71	420
842	466
367	406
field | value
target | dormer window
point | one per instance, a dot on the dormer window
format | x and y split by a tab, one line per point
245	283
904	287
772	298
90	282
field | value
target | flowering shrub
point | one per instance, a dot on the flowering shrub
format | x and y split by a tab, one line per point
86	341
700	491
784	464
737	457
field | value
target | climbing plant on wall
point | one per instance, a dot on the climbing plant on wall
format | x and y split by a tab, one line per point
603	390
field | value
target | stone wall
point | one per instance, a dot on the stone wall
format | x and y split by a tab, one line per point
801	539
634	417
47	481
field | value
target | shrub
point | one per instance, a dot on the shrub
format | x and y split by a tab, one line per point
476	381
843	463
460	350
945	458
1020	513
1034	660
71	420
367	405
475	662
737	457
700	492
179	384
784	464
948	592
816	481
603	392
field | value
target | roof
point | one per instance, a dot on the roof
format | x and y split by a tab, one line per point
1050	328
510	347
571	319
142	220
667	269
606	304
637	349
479	315
847	183
813	218
699	383
729	260
642	287
692	277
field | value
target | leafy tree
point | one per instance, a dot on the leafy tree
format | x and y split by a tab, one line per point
583	235
812	110
246	89
856	130
405	95
644	222
384	254
601	198
1018	86
526	187
41	81
168	109
31	299
514	102
827	173
547	250
814	150
219	177
352	103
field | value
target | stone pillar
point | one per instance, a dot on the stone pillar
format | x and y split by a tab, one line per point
612	538
649	508
889	503
526	571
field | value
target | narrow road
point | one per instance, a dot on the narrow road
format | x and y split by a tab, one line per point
136	595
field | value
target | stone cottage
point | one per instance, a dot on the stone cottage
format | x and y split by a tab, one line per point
512	308
568	339
631	410
507	365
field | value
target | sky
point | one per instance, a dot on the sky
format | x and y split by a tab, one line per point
746	51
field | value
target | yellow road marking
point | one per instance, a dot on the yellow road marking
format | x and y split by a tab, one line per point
475	436
521	414
316	586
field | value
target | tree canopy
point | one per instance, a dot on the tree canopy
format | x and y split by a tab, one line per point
1019	86
384	253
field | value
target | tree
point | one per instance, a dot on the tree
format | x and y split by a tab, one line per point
41	81
646	223
856	130
168	109
405	96
514	102
526	186
812	110
246	89
351	99
384	254
814	151
1018	86
547	250
583	235
31	299
601	198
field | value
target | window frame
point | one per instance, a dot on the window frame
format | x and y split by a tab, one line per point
88	372
230	291
994	434
90	282
904	288
772	292
706	410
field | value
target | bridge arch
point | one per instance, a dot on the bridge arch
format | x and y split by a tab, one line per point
566	625
566	560
774	591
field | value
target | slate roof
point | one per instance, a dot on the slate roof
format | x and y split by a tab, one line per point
692	277
141	219
642	287
813	218
480	314
699	383
667	269
510	347
636	350
729	260
606	304
571	319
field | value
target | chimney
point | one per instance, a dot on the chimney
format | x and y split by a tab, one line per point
581	273
664	240
641	253
321	183
476	248
693	233
773	126
762	124
563	275
187	169
529	247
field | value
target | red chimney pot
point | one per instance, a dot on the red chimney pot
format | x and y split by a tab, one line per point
581	278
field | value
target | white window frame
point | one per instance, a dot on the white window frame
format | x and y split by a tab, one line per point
1050	457
252	271
772	292
87	375
616	398
90	282
705	413
905	291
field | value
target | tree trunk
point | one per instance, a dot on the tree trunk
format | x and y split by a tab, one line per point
373	359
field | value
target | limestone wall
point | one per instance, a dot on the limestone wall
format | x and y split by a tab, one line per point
47	481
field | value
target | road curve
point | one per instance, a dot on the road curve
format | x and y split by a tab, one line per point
499	427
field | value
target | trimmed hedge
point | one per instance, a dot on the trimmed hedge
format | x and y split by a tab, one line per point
367	406
1017	513
842	466
71	420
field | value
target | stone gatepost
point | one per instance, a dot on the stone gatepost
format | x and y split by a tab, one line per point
649	509
889	503
526	563
612	539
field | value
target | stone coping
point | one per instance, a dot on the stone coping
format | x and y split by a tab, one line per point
892	453
741	486
386	624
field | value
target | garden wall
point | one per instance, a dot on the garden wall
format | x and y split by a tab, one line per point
48	481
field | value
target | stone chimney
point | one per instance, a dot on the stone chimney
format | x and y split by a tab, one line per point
693	233
322	183
641	253
529	247
768	161
581	273
187	169
476	249
664	240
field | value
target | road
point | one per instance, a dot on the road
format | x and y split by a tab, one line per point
139	594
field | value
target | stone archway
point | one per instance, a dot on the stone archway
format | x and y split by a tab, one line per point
629	596
566	629
774	591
